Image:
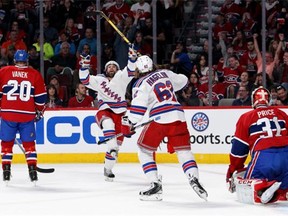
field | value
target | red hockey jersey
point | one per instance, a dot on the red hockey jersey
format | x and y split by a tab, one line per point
22	91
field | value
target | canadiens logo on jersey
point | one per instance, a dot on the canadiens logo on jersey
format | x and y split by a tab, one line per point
200	121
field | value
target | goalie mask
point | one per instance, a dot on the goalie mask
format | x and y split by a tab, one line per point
144	64
260	97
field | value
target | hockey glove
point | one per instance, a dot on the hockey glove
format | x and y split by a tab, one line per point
231	175
38	116
132	54
127	127
85	61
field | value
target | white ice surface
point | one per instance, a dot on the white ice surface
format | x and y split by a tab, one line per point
80	189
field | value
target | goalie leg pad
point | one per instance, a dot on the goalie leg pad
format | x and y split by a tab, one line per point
251	190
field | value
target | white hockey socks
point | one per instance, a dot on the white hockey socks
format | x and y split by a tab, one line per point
149	166
111	155
189	165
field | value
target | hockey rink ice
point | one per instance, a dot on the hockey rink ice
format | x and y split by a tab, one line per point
80	189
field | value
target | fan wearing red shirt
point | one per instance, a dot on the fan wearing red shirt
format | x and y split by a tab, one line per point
81	99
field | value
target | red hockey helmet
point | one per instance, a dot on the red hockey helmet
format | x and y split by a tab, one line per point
260	97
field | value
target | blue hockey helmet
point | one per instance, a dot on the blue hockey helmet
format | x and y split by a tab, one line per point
21	56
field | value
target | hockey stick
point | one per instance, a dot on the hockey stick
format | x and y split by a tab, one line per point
114	26
41	170
121	134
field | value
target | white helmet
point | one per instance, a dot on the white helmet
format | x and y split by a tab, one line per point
144	64
112	62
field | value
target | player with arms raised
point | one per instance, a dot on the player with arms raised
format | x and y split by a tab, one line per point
22	92
111	90
154	93
262	132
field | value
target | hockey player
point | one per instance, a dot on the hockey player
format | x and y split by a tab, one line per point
22	92
154	93
111	89
262	132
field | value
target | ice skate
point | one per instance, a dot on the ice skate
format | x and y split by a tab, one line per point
269	193
154	193
33	173
109	176
197	187
6	173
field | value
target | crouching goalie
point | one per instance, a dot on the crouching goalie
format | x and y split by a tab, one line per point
262	132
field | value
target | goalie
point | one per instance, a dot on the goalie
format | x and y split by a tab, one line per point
262	132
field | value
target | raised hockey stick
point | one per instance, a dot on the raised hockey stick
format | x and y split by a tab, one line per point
41	170
114	26
120	134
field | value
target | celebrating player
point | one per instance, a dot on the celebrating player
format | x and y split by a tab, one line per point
262	132
111	91
154	92
22	92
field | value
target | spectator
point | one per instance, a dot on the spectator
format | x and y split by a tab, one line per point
273	92
147	31
202	69
92	69
34	58
26	19
259	82
231	75
81	99
181	62
143	8
244	81
248	59
244	98
48	51
282	97
64	37
63	63
53	101
189	95
117	12
54	80
71	31
224	27
247	25
280	72
89	39
271	61
50	33
128	27
65	11
218	92
239	43
253	8
10	54
141	46
108	54
232	11
21	35
18	44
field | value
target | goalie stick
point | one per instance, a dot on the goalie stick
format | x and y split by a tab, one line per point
41	170
120	134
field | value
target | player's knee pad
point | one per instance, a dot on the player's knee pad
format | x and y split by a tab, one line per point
145	155
7	146
108	124
251	190
29	146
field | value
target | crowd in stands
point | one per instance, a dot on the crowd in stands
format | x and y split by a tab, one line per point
70	30
238	57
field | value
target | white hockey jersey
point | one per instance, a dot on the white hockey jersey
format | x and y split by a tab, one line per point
110	94
156	93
